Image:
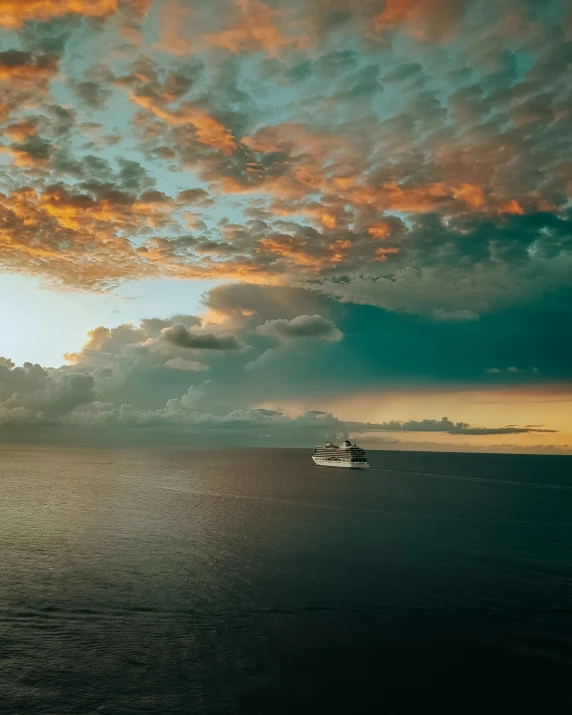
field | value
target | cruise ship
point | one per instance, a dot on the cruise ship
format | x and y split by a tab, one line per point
348	455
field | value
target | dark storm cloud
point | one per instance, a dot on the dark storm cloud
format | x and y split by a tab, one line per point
513	260
383	348
303	326
182	337
251	303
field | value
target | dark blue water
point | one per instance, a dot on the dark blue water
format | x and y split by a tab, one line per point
173	582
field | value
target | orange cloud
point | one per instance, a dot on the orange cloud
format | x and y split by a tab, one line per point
315	158
395	11
24	83
13	13
209	130
141	7
70	239
338	248
173	16
21	131
213	133
392	196
311	146
23	158
472	195
289	247
248	26
381	254
79	241
75	211
511	207
425	19
425	198
254	30
380	230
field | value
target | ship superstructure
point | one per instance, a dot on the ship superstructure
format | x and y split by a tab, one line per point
347	455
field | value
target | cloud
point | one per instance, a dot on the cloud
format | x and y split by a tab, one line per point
455	315
130	378
453	351
80	235
425	19
13	13
181	420
394	172
25	77
182	364
248	26
57	227
445	426
130	344
32	395
448	198
93	94
182	337
19	66
509	370
375	356
303	326
195	197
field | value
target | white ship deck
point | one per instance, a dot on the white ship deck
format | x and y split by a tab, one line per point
348	456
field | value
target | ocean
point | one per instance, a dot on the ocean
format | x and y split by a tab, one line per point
171	581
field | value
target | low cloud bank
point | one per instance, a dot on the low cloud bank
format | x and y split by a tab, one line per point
32	397
444	426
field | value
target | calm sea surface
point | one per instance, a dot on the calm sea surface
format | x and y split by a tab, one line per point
171	582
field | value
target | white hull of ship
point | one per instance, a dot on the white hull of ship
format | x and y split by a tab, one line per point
344	463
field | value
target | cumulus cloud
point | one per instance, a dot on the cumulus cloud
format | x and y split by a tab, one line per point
130	380
129	342
302	326
119	381
32	395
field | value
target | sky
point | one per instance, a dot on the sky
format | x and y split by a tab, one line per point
245	223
